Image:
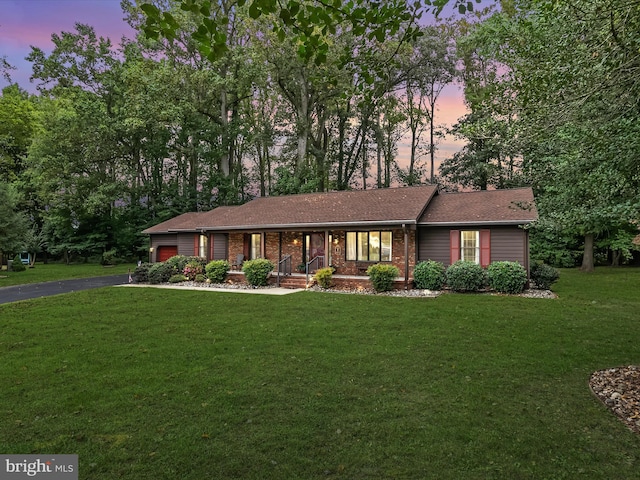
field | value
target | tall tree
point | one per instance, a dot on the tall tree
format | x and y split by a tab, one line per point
572	72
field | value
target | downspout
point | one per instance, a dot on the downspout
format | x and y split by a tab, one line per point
406	256
279	256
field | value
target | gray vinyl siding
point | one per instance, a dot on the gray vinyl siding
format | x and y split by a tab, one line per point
158	240
185	244
433	244
220	246
507	243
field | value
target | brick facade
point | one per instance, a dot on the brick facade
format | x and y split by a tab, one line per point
293	244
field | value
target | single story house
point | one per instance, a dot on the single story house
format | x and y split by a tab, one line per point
351	230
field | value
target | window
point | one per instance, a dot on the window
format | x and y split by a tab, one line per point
369	246
202	246
470	246
254	246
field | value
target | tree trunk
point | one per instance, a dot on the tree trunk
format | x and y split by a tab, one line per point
587	258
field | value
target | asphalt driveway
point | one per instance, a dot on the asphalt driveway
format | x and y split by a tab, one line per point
37	290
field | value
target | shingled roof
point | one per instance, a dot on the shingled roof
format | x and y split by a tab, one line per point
363	208
388	206
509	207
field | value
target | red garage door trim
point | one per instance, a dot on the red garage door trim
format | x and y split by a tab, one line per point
165	252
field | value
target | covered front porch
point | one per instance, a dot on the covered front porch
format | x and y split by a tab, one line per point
299	254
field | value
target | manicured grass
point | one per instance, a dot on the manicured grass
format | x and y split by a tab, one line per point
157	384
59	271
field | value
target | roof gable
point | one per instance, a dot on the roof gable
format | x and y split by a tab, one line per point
512	206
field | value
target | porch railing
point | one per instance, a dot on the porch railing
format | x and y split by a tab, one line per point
284	267
318	262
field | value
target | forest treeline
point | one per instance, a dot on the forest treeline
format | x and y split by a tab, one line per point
213	103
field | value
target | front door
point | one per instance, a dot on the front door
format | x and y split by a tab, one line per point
314	248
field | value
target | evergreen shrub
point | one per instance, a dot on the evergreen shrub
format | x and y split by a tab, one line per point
465	276
160	273
324	277
507	277
429	275
382	276
200	278
178	278
257	271
180	261
544	275
141	273
109	257
17	265
217	270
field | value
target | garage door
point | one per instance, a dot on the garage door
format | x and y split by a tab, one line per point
165	252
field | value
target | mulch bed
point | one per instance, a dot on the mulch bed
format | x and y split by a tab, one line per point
619	389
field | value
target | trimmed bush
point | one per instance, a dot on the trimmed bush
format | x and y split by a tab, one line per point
382	276
193	268
257	271
178	278
429	275
200	278
465	277
507	277
181	261
109	257
17	265
217	270
544	275
324	277
160	273
141	273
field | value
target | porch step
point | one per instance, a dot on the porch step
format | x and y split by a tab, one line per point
294	282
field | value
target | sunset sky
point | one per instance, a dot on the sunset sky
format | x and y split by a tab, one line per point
31	22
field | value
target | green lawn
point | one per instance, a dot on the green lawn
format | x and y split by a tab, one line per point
59	271
144	383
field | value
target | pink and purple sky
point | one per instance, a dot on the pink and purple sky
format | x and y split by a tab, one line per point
24	23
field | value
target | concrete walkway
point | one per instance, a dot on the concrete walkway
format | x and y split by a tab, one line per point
254	291
29	291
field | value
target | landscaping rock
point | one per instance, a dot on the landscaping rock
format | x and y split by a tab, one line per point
619	390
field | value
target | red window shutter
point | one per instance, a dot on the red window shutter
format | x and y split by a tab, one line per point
485	248
246	247
454	246
211	246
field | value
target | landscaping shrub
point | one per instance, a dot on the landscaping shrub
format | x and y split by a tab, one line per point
465	276
200	278
324	277
216	270
141	273
17	265
382	276
160	272
257	271
180	261
193	268
544	275
507	277
178	278
109	257
429	275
